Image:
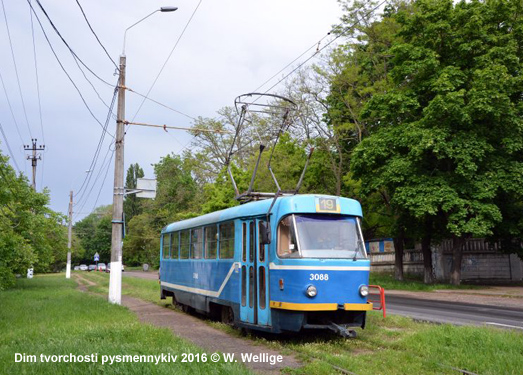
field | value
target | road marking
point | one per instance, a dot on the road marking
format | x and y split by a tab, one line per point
503	325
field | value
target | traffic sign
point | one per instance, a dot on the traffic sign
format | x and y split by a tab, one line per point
96	257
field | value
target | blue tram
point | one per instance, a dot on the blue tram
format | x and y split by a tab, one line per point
304	266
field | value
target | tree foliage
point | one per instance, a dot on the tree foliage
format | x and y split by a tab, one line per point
31	234
448	132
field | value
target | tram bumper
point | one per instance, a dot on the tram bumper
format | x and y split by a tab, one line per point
335	317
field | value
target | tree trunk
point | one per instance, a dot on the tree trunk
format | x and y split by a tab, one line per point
399	243
427	260
457	256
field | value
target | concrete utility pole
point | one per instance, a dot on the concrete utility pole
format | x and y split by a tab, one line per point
34	157
115	279
68	268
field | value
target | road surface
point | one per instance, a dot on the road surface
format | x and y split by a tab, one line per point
458	313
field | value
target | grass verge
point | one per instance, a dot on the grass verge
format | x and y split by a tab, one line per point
391	346
411	283
47	315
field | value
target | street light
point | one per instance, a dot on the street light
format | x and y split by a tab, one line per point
115	279
162	9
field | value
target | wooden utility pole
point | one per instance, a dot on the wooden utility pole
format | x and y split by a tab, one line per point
115	280
34	157
69	242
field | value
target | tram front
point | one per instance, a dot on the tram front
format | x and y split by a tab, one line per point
319	269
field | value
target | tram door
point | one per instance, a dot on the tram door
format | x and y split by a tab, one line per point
253	279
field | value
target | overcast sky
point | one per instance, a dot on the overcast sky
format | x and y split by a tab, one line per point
229	48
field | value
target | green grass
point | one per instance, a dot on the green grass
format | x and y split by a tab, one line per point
411	283
395	345
47	315
148	290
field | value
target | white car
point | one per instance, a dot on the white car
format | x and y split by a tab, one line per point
83	267
76	268
101	266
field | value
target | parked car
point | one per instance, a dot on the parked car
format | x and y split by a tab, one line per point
101	266
83	267
76	268
108	268
92	267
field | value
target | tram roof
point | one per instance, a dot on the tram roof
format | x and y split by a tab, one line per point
303	203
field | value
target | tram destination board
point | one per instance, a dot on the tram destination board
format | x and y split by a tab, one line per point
327	205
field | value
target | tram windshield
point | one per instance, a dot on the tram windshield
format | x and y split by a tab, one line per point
320	236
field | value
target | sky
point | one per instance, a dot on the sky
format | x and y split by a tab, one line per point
229	48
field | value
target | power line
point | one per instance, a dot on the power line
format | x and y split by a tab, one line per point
167	60
96	180
98	148
9	148
65	71
65	42
103	182
318	50
38	93
163	105
96	36
37	77
11	108
16	68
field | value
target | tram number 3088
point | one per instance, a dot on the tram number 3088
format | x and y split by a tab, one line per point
319	276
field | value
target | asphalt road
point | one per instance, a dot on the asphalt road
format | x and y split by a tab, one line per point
455	312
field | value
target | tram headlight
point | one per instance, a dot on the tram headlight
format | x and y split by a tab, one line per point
364	290
311	291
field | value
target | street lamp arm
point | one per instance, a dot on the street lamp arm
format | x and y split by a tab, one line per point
162	9
134	24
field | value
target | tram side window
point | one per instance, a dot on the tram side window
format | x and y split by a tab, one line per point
287	244
175	241
211	242
166	246
197	243
227	240
185	243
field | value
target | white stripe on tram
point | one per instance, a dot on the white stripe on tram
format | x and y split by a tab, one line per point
273	266
205	292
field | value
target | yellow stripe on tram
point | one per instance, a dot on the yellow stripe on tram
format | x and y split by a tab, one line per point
304	306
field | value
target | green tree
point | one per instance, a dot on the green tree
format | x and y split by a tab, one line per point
132	205
448	135
31	235
94	232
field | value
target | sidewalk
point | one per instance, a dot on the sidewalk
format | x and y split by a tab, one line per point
505	296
